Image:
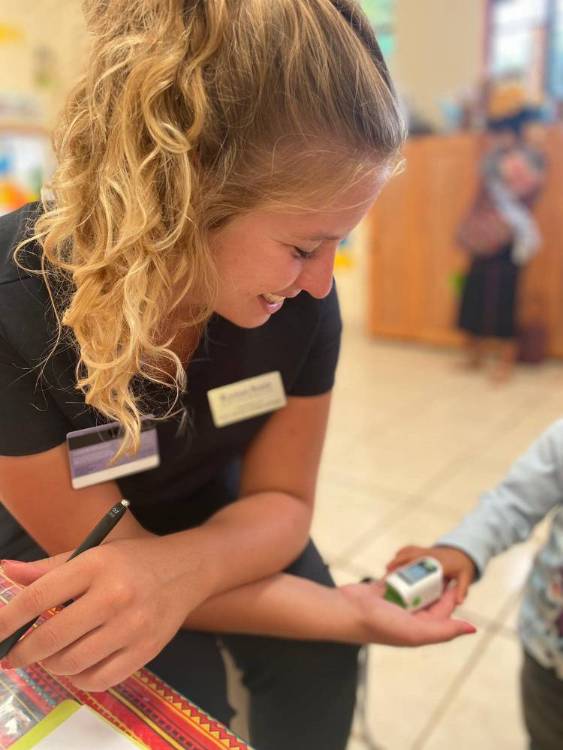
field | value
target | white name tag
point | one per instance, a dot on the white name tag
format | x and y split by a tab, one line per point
246	399
91	451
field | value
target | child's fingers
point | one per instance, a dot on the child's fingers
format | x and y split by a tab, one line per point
405	555
444	607
395	563
460	593
454	582
463	583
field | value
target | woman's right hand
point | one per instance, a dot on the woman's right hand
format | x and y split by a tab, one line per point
457	566
129	599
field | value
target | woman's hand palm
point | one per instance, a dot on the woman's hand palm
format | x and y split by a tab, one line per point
392	625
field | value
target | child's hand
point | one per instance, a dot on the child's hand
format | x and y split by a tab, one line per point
456	564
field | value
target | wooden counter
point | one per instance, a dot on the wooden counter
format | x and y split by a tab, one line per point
413	256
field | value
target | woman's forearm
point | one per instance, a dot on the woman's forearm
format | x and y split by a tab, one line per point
283	606
249	540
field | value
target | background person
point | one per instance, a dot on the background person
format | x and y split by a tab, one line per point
500	236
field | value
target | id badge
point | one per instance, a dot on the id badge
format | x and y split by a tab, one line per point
90	453
247	398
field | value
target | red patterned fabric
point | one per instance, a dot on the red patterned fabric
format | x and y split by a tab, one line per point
143	706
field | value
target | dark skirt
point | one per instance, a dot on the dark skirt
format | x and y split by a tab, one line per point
488	301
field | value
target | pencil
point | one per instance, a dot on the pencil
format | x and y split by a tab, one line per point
94	538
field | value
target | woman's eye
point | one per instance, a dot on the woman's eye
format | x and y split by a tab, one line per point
304	254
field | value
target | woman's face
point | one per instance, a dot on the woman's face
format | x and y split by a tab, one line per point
266	257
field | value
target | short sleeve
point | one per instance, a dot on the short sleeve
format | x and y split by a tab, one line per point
317	373
30	421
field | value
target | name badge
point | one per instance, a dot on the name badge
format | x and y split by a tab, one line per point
91	451
246	399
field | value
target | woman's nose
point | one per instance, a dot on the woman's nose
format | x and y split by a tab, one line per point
316	276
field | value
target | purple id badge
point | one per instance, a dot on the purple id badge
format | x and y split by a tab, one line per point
91	451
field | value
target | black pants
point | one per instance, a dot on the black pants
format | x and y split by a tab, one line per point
542	704
302	694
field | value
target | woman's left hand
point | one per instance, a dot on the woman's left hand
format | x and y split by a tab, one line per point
391	625
127	604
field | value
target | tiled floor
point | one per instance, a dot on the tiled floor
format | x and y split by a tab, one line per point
412	442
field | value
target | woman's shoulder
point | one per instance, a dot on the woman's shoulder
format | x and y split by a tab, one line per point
23	297
15	227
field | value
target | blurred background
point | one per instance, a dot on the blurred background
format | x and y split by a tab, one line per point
413	438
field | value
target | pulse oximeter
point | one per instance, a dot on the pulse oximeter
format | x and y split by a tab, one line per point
415	585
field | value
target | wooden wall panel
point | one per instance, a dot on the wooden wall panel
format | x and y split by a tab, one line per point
543	282
412	251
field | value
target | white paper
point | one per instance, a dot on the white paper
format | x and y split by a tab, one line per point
87	731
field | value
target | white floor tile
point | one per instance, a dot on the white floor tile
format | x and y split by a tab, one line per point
417	524
412	443
407	685
461	489
400	463
485	714
509	620
344	575
343	514
355	744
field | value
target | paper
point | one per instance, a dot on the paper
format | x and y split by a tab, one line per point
76	727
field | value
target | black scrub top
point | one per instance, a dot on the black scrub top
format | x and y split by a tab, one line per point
199	462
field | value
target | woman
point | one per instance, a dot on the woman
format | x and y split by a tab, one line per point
500	236
209	162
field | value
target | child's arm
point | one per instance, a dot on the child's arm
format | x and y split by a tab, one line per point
505	515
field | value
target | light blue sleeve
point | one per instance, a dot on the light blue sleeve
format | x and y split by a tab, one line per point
507	514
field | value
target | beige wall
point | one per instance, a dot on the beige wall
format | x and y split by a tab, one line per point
438	53
55	24
439	50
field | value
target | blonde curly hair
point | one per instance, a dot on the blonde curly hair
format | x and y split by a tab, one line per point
191	112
